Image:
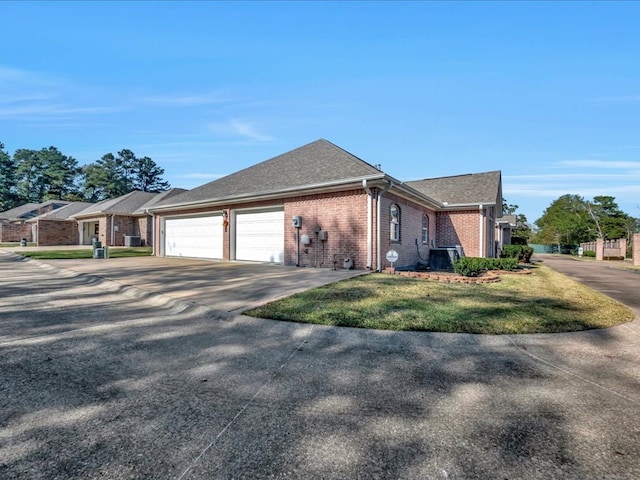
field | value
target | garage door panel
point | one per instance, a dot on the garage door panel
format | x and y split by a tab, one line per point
198	237
260	236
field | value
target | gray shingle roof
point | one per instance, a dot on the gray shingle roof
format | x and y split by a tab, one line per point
63	213
160	197
123	205
317	163
469	189
30	210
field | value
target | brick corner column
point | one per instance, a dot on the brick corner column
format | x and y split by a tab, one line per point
599	249
636	249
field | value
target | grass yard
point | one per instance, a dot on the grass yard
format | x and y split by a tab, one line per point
114	252
543	302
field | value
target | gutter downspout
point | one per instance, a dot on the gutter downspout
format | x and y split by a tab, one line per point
369	223
480	244
113	234
379	227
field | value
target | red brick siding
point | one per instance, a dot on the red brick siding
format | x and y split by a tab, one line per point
463	228
342	215
142	227
57	232
410	230
14	232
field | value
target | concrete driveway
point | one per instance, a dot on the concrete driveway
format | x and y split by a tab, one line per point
102	380
225	286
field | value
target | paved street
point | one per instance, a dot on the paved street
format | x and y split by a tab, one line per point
104	379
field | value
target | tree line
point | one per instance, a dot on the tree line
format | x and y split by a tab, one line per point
48	174
572	219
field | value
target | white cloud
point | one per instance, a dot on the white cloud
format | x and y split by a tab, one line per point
239	128
52	110
187	100
563	177
599	164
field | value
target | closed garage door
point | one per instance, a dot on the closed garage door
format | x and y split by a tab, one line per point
198	237
260	236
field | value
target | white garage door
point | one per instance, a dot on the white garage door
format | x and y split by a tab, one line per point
198	237
260	236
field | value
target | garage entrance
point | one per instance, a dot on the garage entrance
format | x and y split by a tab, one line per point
259	235
197	237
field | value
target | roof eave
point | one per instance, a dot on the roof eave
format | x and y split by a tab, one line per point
326	187
466	206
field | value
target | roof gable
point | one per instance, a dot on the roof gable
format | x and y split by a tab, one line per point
469	189
63	213
317	163
31	210
124	205
160	197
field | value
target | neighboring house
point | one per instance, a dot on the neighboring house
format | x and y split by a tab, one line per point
12	222
504	227
112	221
321	206
57	227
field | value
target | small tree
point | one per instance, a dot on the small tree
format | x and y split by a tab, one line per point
8	197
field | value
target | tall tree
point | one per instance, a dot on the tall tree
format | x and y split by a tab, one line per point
113	176
44	174
566	221
8	197
609	221
148	176
60	172
29	178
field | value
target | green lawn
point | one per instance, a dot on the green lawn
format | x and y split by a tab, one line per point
543	302
117	252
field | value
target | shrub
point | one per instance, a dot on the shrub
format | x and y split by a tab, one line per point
469	266
589	253
475	266
520	252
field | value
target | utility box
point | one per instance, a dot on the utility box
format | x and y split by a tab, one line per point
322	235
132	241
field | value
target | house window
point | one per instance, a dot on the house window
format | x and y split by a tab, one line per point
425	229
394	223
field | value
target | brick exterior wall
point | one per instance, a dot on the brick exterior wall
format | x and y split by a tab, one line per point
142	227
14	232
57	232
411	216
343	215
459	228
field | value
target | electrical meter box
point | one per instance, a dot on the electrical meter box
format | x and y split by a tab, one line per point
296	221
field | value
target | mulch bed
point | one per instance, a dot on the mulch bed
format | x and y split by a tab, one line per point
491	276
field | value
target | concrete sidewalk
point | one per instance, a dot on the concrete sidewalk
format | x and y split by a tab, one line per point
103	380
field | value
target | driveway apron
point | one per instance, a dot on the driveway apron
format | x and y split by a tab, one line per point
102	379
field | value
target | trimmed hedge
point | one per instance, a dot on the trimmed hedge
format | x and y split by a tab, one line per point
521	252
475	266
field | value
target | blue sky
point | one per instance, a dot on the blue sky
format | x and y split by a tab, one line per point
546	92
